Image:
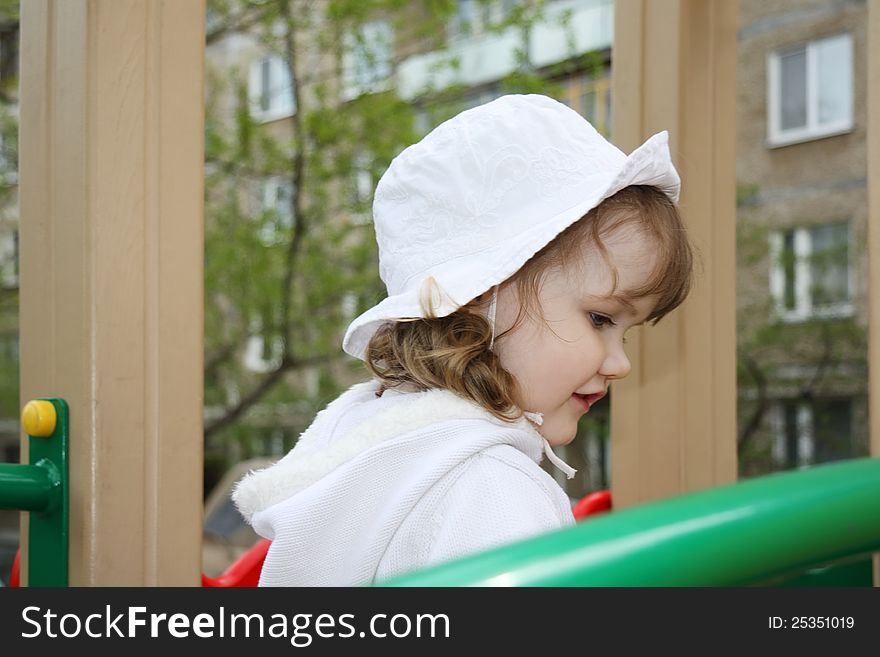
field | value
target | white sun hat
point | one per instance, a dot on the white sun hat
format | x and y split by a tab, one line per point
463	209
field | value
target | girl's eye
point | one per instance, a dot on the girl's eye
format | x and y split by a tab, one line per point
600	321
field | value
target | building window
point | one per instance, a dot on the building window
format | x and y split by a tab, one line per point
368	57
263	349
481	96
811	273
591	98
9	260
269	89
467	19
9	157
810	91
363	179
276	210
810	432
8	52
361	189
474	17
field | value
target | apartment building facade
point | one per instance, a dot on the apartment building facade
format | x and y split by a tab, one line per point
802	222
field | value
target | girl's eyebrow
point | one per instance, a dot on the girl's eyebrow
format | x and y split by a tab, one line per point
622	300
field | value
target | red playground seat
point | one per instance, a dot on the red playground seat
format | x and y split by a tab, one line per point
245	571
592	504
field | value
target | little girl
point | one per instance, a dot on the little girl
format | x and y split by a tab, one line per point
517	246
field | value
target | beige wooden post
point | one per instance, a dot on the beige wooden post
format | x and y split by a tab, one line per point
674	418
111	273
873	95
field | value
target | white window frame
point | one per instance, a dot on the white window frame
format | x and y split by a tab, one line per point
363	178
806	442
253	357
9	258
360	75
281	104
776	136
803	277
362	189
805	419
269	202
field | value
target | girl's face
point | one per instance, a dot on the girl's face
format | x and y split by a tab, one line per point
565	364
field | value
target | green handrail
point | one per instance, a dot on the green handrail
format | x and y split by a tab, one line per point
736	535
29	487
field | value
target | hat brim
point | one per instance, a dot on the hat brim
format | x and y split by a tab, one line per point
649	164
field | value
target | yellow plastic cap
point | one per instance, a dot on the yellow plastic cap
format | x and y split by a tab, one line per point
38	418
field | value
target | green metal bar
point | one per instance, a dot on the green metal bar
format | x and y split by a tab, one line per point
48	534
855	571
42	489
28	487
740	534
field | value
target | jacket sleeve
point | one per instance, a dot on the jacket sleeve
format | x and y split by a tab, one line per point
496	497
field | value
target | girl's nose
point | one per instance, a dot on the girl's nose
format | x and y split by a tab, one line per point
616	364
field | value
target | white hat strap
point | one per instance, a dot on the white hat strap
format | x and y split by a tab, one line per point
569	471
538	419
491	314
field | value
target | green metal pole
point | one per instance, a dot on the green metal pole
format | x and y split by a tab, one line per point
42	489
48	534
741	534
28	487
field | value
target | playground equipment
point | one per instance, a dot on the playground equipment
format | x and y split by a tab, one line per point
743	534
781	529
245	571
657	543
42	489
592	504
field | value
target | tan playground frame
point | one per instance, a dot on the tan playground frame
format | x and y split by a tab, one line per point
111	189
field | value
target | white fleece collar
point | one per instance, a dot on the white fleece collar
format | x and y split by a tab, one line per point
304	465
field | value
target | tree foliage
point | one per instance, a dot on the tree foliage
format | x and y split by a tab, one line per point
9	370
291	286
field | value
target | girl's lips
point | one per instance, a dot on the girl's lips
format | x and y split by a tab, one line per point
588	400
583	400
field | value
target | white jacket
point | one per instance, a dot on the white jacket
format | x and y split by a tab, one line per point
377	487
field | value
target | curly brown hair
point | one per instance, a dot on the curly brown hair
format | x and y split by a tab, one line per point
453	353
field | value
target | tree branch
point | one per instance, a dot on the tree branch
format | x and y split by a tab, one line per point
245	20
751	427
233	413
300	223
809	390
